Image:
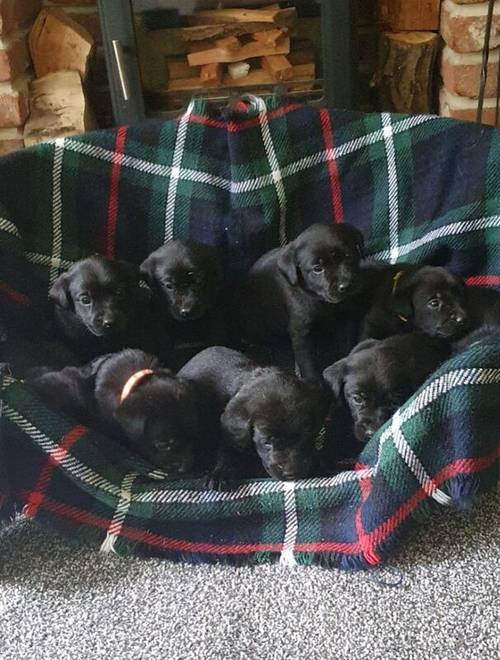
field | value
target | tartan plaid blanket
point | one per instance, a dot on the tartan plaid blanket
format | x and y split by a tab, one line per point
421	188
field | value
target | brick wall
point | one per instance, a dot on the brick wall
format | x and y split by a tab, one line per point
463	28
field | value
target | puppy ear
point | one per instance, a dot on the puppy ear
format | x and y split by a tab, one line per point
59	292
363	345
148	268
287	264
236	423
402	293
359	239
132	418
334	376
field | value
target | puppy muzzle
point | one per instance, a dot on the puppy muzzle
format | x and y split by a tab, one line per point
184	312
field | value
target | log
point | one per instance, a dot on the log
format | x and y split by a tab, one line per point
57	42
301	72
201	32
399	15
269	37
245	51
177	67
211	74
58	108
301	56
275	15
405	76
229	43
277	66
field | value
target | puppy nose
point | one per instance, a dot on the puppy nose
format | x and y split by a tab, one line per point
108	321
459	317
369	430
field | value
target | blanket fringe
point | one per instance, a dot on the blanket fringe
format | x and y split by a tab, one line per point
463	490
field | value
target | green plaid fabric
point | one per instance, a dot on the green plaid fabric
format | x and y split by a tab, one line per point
420	188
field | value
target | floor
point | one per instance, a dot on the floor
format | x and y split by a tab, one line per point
60	602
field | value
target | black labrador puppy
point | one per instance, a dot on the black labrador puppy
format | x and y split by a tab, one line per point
100	307
260	413
187	280
425	298
129	394
379	375
289	290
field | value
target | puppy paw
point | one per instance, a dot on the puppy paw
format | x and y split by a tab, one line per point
218	480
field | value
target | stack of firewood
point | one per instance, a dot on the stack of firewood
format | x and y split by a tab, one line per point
60	51
233	47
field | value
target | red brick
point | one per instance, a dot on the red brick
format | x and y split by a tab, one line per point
459	107
463	27
14	57
461	73
16	13
14	103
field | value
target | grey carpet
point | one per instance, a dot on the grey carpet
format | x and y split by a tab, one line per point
59	602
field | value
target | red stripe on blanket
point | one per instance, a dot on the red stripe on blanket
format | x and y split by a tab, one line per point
243	124
114	190
369	553
333	171
166	543
483	280
8	292
461	466
374	538
36	497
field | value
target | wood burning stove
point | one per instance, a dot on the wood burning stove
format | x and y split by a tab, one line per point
161	53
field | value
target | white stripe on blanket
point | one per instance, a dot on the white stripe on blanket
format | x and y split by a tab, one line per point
435	389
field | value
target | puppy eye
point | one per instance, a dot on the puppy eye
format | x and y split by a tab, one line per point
168	285
358	399
318	269
85	300
434	303
191	273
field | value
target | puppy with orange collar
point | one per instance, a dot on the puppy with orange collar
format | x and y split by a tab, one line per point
128	393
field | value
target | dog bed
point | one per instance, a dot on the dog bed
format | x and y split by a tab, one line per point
420	188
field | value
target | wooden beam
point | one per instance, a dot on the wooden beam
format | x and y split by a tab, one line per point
246	51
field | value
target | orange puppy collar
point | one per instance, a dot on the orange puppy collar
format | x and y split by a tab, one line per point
133	381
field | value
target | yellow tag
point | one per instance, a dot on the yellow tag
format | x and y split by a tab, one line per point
396	279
